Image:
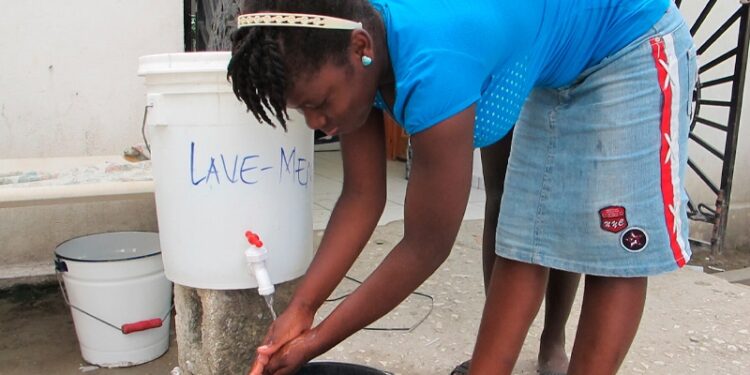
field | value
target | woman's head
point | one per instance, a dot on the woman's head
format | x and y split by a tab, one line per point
311	69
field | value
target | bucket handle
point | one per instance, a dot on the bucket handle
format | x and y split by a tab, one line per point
126	328
140	326
143	127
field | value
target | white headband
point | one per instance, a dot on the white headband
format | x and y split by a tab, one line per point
296	20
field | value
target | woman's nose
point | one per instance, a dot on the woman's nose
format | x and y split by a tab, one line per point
315	120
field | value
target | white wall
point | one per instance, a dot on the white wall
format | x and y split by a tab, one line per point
68	84
68	87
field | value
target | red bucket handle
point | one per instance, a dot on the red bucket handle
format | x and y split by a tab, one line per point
141	326
126	328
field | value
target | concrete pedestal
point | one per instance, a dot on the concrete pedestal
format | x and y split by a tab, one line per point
218	330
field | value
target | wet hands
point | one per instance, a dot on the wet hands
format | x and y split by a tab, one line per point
286	345
287	359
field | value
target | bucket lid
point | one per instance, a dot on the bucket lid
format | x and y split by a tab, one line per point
186	62
110	247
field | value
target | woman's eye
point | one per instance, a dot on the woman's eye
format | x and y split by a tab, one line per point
321	104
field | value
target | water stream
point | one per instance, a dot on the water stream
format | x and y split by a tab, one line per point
269	303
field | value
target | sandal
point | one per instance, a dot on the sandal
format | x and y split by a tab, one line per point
462	369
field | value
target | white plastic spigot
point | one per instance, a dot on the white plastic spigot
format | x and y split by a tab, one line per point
256	256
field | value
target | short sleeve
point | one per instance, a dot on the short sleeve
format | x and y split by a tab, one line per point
438	85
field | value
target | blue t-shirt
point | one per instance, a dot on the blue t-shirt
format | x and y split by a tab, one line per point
449	54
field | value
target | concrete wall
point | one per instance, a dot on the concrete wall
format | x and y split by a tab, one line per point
69	84
68	87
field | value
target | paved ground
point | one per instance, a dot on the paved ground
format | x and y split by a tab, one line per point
694	323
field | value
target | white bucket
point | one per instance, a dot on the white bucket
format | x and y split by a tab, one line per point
119	297
219	173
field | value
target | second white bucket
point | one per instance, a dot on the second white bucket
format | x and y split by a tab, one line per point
118	295
218	173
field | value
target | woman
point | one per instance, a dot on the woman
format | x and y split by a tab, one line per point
599	91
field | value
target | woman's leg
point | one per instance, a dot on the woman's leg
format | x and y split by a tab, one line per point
611	313
562	286
561	291
513	298
494	165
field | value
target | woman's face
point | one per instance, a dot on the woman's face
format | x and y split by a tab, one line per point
337	99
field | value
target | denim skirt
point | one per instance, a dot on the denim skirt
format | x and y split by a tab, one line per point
595	178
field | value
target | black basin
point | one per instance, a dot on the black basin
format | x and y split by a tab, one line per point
337	368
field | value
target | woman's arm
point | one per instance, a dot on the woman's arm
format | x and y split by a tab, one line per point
436	199
354	216
352	222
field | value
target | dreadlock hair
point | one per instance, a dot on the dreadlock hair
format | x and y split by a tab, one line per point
266	60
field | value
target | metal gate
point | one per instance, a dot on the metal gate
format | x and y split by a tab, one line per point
208	24
722	55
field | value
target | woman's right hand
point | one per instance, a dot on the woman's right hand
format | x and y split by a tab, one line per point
293	322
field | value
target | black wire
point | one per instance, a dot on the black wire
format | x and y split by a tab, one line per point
401	329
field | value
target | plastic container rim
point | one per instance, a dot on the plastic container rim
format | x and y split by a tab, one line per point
104	260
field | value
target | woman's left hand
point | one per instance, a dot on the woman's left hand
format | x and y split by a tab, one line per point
293	355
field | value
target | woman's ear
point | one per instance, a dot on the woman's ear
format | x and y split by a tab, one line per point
362	47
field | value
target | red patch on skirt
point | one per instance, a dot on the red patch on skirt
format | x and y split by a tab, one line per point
613	219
